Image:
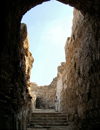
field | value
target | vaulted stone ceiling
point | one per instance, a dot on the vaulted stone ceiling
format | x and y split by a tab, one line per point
90	6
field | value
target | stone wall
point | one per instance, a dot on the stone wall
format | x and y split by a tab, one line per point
60	86
15	100
44	96
80	79
28	59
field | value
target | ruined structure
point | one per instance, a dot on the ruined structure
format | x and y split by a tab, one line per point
15	98
60	87
44	95
28	59
81	77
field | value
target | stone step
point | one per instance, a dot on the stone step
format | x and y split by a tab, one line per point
51	124
48	115
49	121
40	127
48	118
48	124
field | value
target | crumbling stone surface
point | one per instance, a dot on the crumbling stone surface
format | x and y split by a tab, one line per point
15	101
44	95
59	85
28	59
80	78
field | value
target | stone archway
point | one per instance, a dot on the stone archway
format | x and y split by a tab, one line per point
84	71
84	6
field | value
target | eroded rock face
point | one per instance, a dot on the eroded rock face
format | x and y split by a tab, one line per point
59	85
28	58
80	79
15	99
44	95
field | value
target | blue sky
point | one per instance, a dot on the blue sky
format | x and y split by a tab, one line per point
48	25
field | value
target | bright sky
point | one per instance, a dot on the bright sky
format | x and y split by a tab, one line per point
48	25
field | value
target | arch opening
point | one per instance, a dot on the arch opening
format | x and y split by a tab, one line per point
48	32
48	25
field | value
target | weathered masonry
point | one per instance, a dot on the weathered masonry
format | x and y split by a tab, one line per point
43	96
79	78
80	94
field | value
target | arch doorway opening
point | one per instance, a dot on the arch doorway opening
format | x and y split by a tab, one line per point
48	26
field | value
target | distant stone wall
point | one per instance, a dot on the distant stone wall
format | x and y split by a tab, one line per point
80	79
44	96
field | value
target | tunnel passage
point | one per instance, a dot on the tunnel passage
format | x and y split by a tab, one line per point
85	91
39	103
